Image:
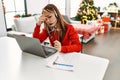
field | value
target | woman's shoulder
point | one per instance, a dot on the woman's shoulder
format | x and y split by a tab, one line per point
70	26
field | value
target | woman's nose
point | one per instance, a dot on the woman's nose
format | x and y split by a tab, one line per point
47	20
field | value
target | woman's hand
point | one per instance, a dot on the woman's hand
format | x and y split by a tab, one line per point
42	18
57	45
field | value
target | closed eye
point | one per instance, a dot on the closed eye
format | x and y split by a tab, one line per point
49	17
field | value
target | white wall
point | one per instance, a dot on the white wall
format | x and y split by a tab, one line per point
35	6
2	22
60	5
105	3
74	6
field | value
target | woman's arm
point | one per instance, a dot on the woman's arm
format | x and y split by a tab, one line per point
40	35
37	34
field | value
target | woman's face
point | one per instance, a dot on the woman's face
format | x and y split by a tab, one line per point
50	18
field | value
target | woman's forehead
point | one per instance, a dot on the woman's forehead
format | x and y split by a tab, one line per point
45	12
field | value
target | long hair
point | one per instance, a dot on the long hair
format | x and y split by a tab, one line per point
61	23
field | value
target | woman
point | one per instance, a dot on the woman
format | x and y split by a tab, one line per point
62	35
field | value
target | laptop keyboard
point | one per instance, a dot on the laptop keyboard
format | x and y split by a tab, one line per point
48	50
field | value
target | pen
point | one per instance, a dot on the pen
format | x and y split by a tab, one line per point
61	64
55	60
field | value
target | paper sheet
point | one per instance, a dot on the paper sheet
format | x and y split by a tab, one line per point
65	62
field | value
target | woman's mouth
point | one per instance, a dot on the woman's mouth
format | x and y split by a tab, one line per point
53	23
50	23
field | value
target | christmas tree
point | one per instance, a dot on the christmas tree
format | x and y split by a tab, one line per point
87	11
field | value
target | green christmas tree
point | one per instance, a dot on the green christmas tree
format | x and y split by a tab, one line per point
87	11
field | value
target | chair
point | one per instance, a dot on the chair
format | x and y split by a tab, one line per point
66	18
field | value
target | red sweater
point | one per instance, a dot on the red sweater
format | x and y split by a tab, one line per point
70	42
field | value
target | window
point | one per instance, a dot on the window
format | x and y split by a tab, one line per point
13	7
74	6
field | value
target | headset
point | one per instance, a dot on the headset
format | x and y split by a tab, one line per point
55	13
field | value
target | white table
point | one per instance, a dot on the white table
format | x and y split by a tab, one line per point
17	65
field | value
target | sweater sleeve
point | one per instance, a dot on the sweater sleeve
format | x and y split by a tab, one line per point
71	42
40	35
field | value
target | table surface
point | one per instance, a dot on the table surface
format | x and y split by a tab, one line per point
18	65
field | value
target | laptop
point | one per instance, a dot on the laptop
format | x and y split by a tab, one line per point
33	46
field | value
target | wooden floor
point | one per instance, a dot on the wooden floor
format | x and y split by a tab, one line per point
107	45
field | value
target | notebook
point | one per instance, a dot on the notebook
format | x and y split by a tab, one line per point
33	46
